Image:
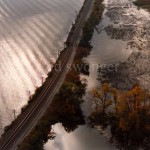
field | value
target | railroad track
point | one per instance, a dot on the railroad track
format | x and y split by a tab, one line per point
14	137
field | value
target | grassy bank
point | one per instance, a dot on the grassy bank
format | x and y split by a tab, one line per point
66	106
143	4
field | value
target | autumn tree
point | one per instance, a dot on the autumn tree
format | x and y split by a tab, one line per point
102	101
128	116
132	126
101	98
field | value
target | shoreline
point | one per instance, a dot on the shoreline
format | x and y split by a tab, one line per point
72	79
39	91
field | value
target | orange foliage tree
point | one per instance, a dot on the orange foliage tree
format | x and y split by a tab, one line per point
128	116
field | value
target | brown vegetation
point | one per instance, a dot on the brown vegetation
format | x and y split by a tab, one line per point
127	113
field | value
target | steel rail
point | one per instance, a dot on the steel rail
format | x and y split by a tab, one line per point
57	73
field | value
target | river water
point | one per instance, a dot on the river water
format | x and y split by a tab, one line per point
31	34
122	35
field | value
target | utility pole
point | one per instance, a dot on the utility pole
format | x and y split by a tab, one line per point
42	80
76	14
64	45
29	94
14	112
58	52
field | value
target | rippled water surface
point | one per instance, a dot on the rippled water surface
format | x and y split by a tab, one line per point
31	34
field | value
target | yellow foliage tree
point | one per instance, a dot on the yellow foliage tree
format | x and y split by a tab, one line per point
101	99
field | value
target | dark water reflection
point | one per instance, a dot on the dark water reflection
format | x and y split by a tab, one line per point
122	25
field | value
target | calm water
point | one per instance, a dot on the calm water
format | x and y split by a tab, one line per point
31	34
108	48
83	138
